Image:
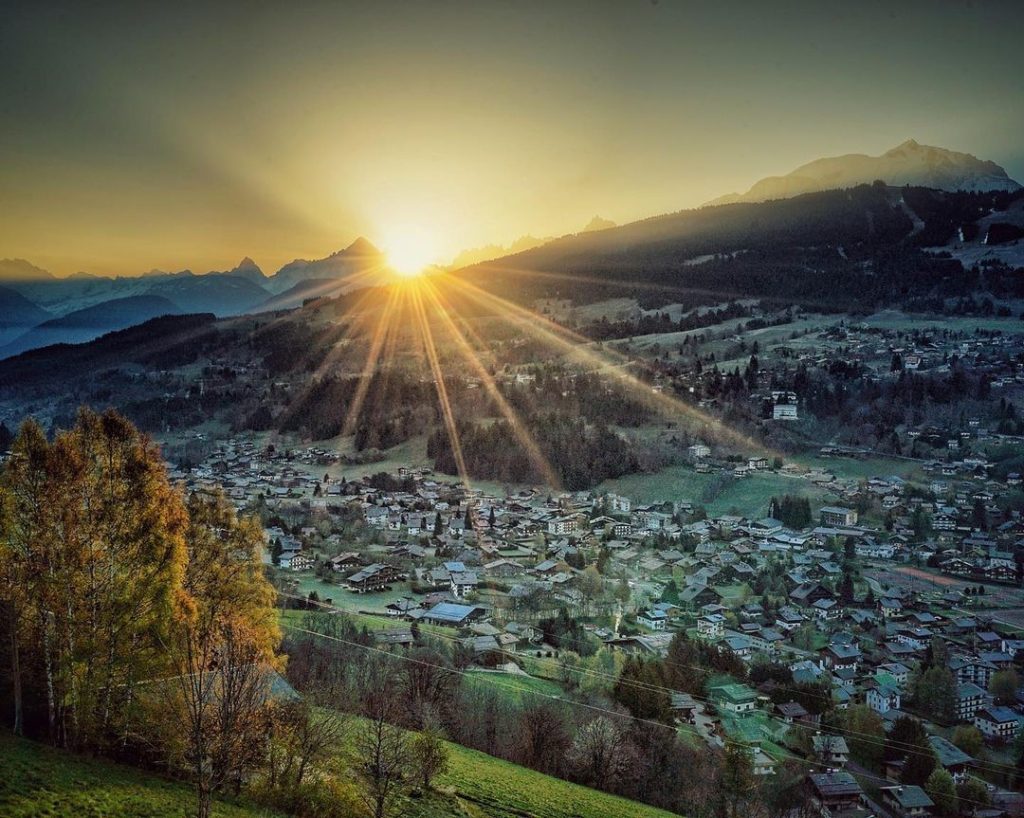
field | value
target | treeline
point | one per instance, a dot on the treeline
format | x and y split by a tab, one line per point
946	213
839	249
792	511
604	330
579	455
394	407
562	391
136	621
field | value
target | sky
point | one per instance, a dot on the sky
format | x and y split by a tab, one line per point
189	135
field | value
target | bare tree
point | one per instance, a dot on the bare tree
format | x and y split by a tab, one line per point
381	749
299	738
596	753
543	739
216	711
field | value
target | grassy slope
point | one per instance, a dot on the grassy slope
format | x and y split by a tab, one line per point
37	780
500	789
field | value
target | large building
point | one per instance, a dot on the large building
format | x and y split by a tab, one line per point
837	516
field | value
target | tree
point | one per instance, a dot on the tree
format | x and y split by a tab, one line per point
736	785
671	593
298	739
430	755
542	738
1004	686
92	535
591	584
381	751
223	651
909	740
935	693
596	753
942	790
969	739
973	793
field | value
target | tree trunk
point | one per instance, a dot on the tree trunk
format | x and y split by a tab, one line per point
16	671
51	712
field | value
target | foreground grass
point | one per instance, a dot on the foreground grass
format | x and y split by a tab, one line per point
499	788
36	780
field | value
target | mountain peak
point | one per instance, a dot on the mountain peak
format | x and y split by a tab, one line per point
247	268
18	269
909	163
361	247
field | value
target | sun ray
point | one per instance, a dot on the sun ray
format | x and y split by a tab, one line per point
572	344
527	440
370	365
442	391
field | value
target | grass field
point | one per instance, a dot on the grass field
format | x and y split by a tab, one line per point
748	496
36	780
479	785
39	781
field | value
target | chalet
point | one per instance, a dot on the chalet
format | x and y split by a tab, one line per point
734	698
890	607
808	593
834	793
907	801
503	568
693	596
791	712
768	640
832	750
684	707
972	669
655	620
789	619
739	645
375	577
711	626
839	655
296	562
463	582
784	411
951	758
449	613
882	697
826	610
899	672
560	526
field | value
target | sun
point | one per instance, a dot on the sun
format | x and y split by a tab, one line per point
410	250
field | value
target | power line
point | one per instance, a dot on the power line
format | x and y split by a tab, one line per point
649	687
586	705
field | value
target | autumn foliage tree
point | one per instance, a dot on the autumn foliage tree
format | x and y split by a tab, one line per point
135	619
92	543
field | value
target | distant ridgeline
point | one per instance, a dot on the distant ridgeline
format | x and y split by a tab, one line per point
839	249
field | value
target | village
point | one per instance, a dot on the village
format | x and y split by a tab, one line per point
858	596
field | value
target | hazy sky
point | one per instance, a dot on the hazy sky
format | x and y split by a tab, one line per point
188	136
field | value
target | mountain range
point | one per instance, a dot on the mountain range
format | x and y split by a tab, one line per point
909	163
735	248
